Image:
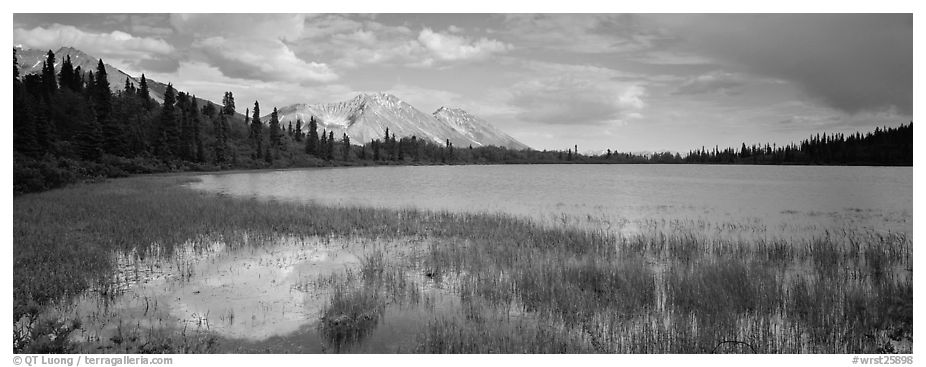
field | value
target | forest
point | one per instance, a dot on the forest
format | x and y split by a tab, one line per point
70	126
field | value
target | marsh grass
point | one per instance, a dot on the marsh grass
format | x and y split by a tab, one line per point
673	287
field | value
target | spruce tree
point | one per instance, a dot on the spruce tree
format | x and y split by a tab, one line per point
195	123
15	65
144	94
323	146
77	80
275	133
66	76
228	104
102	95
297	134
24	134
168	133
49	80
330	145
89	138
311	142
220	148
256	134
346	149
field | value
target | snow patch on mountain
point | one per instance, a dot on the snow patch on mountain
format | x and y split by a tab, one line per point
368	115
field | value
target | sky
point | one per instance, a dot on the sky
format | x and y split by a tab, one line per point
626	82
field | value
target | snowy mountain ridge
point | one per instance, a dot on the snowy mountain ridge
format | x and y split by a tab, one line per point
368	115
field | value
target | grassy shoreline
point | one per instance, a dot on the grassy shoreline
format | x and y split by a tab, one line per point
667	290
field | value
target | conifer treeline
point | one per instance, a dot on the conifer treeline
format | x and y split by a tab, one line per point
887	146
70	126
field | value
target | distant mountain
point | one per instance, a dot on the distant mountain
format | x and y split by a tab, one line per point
367	116
475	128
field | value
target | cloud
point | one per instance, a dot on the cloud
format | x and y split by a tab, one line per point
286	27
713	82
366	46
852	62
153	24
252	46
583	95
583	33
164	65
447	47
352	42
268	60
113	44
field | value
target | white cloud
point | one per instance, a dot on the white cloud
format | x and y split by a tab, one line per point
575	100
351	43
267	60
114	44
252	46
287	27
449	47
576	94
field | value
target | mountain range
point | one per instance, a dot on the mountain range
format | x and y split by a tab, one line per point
368	115
363	118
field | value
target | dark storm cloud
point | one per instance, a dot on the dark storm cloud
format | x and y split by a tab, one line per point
852	62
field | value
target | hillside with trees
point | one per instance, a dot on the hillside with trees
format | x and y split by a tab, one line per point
70	126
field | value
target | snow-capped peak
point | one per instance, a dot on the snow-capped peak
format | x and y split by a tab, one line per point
367	116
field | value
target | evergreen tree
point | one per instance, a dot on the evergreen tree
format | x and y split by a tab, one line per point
330	145
89	137
102	103
323	146
129	88
77	80
195	123
220	147
102	94
49	80
346	149
168	132
228	104
15	65
91	81
311	142
144	94
275	133
256	134
24	139
209	110
66	76
297	134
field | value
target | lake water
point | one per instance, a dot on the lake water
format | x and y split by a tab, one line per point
619	197
268	298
